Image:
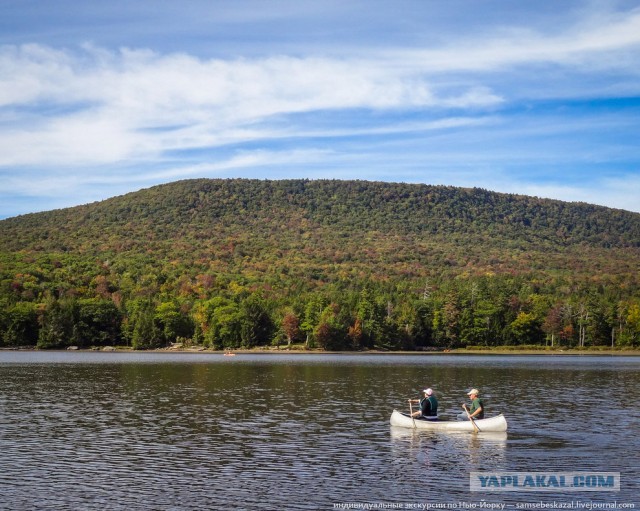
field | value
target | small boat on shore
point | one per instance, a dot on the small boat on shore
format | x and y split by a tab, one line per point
492	424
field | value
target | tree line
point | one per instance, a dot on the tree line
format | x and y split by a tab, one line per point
336	265
490	311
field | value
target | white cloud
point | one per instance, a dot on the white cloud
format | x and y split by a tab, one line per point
93	111
139	103
99	106
581	45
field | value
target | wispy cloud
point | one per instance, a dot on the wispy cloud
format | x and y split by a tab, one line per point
581	45
465	109
97	107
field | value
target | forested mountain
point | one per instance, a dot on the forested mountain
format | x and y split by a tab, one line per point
337	264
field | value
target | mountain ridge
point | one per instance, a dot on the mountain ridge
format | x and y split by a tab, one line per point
286	244
474	206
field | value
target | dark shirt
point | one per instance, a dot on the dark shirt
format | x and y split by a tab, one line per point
429	406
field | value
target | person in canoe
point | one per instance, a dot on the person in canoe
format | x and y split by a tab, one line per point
476	410
428	406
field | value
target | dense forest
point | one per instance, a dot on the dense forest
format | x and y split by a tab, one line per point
336	265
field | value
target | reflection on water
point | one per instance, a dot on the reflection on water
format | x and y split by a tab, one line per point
185	431
441	452
497	440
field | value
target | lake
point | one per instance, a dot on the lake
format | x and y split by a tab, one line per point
174	431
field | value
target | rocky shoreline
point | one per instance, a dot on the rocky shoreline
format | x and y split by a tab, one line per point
507	350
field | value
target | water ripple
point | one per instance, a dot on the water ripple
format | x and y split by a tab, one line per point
264	434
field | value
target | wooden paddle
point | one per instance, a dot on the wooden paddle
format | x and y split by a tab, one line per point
475	426
411	414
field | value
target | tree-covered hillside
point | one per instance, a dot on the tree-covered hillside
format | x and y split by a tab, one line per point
338	264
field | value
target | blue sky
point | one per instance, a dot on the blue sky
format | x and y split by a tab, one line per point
98	98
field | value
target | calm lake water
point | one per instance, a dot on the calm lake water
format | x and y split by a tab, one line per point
90	430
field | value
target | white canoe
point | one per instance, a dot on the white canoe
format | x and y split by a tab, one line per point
403	420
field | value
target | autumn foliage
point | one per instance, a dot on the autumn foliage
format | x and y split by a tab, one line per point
337	265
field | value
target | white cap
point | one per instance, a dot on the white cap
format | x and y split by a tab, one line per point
473	391
428	392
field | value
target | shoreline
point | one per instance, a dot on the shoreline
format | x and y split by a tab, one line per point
431	352
299	351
